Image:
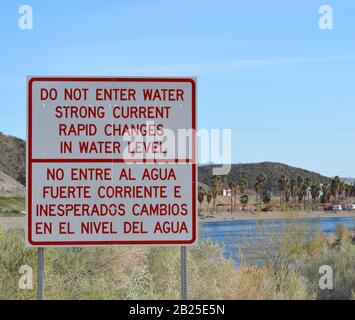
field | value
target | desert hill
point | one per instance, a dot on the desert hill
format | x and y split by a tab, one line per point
13	165
13	157
10	187
273	171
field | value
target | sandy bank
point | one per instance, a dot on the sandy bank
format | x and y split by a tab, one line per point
222	216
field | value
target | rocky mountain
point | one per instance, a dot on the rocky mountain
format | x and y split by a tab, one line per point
13	157
10	187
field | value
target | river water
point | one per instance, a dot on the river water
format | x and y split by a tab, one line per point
252	238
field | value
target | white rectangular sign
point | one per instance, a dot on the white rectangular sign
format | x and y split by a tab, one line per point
111	161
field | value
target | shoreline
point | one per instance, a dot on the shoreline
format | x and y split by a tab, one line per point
235	216
20	222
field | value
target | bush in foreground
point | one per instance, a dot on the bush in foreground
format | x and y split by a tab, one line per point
154	272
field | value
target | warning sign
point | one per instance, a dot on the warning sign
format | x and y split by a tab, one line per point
111	161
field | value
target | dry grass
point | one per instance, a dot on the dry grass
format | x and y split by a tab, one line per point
12	204
154	272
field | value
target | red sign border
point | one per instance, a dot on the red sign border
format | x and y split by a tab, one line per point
30	161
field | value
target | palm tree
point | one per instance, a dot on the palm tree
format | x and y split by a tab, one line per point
326	193
280	186
215	186
287	194
293	190
257	188
243	186
299	185
335	186
224	182
244	199
262	179
201	196
348	191
304	191
307	184
341	189
259	185
209	198
315	192
233	185
283	187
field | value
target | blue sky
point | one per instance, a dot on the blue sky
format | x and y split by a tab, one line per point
264	68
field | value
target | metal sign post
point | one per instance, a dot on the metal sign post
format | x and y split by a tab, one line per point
183	273
40	274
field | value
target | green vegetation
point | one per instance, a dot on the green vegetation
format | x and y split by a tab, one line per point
200	197
244	199
6	202
272	170
266	198
11	213
258	186
309	191
295	194
12	206
215	188
291	272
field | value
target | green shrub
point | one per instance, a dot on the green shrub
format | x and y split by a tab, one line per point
340	256
290	269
